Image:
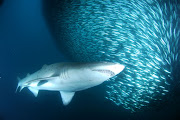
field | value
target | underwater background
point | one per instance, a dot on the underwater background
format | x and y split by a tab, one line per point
28	40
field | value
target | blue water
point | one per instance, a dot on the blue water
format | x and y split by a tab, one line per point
26	44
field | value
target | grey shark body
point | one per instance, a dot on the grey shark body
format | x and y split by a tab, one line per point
69	77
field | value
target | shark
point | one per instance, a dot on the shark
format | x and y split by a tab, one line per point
68	78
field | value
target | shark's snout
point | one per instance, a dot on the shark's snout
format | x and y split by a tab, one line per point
117	68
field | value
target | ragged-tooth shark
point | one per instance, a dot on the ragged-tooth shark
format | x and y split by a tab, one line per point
67	78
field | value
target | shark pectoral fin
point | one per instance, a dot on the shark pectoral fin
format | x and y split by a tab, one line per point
66	97
34	91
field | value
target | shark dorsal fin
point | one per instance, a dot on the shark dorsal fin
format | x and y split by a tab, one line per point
44	66
18	79
28	75
34	91
66	97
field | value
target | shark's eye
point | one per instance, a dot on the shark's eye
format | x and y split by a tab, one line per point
42	82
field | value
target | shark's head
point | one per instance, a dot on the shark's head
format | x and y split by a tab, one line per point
107	69
99	72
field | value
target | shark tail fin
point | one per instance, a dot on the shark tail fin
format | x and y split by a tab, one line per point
19	85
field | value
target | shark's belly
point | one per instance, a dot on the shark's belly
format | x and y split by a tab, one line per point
69	85
74	86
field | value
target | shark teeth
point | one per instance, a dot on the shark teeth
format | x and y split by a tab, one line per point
107	72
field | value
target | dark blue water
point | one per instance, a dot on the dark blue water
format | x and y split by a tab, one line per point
25	46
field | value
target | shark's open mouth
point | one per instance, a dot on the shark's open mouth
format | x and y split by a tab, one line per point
107	72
